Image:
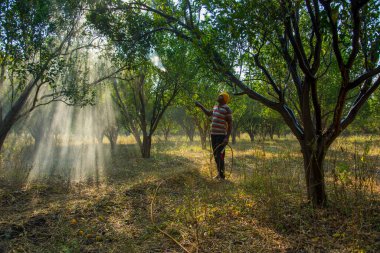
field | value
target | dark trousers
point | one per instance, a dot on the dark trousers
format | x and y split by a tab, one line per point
219	151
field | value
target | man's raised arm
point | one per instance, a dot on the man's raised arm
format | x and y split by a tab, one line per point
207	112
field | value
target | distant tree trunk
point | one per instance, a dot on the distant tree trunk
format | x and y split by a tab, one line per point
190	134
203	140
136	135
234	132
166	133
203	128
112	134
190	131
233	135
99	138
38	135
146	146
263	133
251	135
271	131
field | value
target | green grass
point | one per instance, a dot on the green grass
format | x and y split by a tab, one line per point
260	208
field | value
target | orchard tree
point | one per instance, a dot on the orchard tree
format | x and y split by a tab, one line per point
184	120
143	100
289	46
167	124
39	50
238	106
149	88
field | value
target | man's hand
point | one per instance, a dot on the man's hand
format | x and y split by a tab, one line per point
207	112
225	141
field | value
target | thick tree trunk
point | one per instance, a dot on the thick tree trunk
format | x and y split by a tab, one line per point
2	139
313	158
11	117
5	127
146	146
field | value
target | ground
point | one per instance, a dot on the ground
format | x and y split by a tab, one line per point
145	205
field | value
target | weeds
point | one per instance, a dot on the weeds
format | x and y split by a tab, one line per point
261	208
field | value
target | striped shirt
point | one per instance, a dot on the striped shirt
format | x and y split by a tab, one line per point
219	123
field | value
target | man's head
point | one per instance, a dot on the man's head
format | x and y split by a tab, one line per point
223	98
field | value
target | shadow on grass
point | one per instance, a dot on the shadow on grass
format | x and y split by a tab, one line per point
113	218
263	213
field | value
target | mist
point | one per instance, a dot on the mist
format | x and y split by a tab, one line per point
69	143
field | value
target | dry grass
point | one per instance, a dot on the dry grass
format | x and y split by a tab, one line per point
260	208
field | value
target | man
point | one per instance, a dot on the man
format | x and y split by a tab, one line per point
221	126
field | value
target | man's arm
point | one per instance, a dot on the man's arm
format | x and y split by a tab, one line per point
207	112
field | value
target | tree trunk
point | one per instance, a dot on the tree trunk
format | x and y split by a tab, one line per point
203	140
5	128
100	138
112	144
190	133
166	134
251	135
313	158
271	132
146	146
234	134
11	117
37	142
2	79
2	139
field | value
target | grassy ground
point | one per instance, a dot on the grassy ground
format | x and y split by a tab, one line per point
261	207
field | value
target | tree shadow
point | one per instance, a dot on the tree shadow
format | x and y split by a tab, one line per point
81	218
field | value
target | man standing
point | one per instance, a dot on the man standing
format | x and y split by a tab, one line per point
221	126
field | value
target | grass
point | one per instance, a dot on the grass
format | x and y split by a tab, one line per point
260	208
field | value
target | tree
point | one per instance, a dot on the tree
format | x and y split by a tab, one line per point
143	97
288	58
238	106
107	112
185	121
37	46
167	124
252	120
